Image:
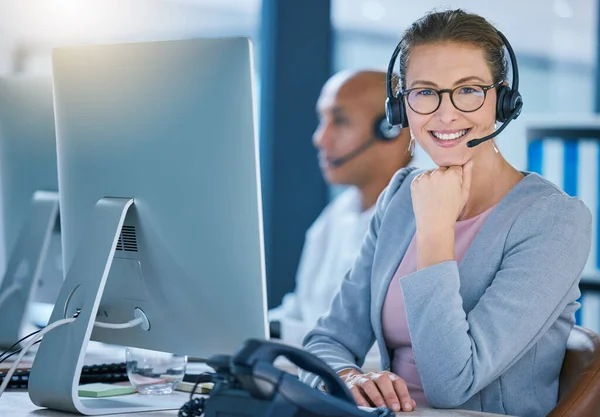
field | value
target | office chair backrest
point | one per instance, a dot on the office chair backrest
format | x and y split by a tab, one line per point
579	386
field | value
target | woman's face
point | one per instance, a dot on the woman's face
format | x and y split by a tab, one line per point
444	133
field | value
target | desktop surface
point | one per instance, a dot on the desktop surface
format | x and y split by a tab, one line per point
18	404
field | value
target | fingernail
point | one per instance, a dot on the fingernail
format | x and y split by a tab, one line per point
396	407
407	406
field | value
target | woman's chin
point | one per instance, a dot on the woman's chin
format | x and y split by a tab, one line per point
449	162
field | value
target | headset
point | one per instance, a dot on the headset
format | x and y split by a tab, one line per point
508	106
382	131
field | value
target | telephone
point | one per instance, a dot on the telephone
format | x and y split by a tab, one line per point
248	384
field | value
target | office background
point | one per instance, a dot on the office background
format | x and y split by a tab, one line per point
300	43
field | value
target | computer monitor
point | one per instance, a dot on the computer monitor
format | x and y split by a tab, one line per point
160	208
30	238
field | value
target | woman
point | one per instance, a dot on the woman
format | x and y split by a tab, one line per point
468	277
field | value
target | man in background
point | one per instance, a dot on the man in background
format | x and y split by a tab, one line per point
356	148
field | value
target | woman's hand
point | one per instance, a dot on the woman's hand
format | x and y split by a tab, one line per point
439	196
379	389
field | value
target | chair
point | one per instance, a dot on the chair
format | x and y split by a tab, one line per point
579	384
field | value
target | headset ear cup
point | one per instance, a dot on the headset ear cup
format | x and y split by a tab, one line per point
507	104
502	102
516	104
392	111
384	131
403	119
395	111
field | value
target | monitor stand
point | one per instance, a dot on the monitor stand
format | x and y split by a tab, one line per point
25	265
54	377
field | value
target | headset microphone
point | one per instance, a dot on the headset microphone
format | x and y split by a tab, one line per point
382	131
337	162
474	142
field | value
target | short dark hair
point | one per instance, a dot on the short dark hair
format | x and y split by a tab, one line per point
455	26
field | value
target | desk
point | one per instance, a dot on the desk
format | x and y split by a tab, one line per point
17	404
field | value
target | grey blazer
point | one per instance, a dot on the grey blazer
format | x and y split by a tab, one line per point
488	334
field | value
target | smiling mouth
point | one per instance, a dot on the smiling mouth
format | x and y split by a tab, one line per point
446	136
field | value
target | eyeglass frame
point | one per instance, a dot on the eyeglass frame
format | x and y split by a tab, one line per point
450	91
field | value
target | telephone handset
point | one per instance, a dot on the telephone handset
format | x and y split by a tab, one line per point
254	352
248	384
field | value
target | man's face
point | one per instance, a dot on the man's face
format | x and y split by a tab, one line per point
345	124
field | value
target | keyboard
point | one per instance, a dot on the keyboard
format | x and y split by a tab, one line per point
107	372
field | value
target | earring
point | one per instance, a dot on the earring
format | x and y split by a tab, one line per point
411	146
494	145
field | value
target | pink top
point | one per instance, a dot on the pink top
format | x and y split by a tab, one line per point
393	316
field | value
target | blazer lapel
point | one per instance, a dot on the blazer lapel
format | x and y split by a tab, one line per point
394	237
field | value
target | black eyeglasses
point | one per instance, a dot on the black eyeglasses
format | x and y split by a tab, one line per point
466	98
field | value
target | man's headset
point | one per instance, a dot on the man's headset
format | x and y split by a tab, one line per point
382	131
508	106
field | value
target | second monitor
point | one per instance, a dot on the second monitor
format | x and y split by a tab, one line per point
30	237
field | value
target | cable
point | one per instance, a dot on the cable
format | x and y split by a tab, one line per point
8	292
38	336
195	406
16	344
118	326
58	323
15	352
132	323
